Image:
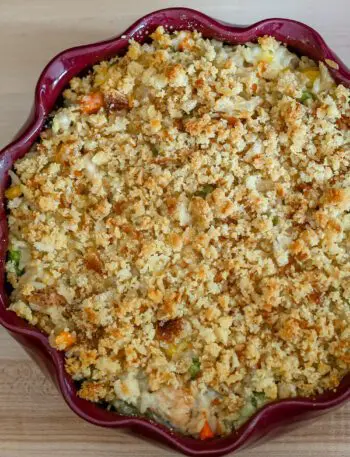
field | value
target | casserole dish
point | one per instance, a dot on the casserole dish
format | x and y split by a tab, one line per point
53	80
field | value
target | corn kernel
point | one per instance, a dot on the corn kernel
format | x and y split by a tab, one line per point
173	349
170	350
311	73
266	56
13	192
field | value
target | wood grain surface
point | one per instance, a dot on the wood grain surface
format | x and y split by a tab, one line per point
34	420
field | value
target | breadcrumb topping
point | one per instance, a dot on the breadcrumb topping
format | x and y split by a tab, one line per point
182	230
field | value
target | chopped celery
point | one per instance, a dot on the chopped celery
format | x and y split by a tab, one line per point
124	408
195	368
258	399
151	415
14	256
206	190
247	410
275	220
155	152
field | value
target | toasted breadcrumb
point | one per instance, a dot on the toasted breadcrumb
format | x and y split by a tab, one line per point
182	230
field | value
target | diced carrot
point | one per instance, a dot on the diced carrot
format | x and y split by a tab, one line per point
64	340
231	120
266	57
206	432
91	103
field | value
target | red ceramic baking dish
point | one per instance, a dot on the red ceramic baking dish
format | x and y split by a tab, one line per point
273	417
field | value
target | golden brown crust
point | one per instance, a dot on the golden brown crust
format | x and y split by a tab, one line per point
184	229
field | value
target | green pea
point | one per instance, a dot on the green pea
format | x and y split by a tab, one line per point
306	95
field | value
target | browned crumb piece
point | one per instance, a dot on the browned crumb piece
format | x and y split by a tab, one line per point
169	330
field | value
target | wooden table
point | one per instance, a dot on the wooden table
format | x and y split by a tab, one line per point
34	421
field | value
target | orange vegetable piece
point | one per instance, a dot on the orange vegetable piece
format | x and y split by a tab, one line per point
13	192
91	104
206	432
64	340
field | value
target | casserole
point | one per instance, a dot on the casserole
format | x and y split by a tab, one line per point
186	24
